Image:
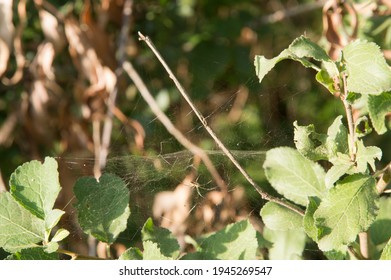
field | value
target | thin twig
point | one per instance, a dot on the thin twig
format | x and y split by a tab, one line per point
220	144
364	244
384	178
128	67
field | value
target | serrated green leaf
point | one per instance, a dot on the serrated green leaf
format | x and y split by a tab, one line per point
309	143
37	253
386	254
287	245
153	252
309	222
349	209
299	50
36	186
166	241
380	230
102	206
367	69
60	235
131	254
378	107
366	155
277	217
293	175
19	228
237	241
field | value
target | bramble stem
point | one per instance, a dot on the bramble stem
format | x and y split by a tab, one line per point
220	144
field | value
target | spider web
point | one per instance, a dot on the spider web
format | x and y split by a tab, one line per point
150	177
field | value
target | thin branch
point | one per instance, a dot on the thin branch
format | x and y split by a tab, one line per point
384	178
220	144
128	67
364	244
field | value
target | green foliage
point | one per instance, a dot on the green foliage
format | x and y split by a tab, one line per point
277	217
343	201
293	175
103	206
349	208
168	245
366	68
33	254
26	214
331	177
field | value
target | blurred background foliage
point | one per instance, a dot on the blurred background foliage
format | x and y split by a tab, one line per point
210	45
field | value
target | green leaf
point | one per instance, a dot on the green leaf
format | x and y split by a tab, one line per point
349	209
380	230
300	49
277	217
337	139
366	155
131	254
37	253
309	222
52	218
18	227
386	254
36	186
287	245
235	242
51	247
60	235
336	172
368	72
102	206
167	243
379	107
293	175
309	143
362	127
153	252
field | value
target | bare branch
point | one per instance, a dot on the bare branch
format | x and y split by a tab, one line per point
220	144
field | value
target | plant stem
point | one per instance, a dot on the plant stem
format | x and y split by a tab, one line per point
349	117
220	144
364	244
363	236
